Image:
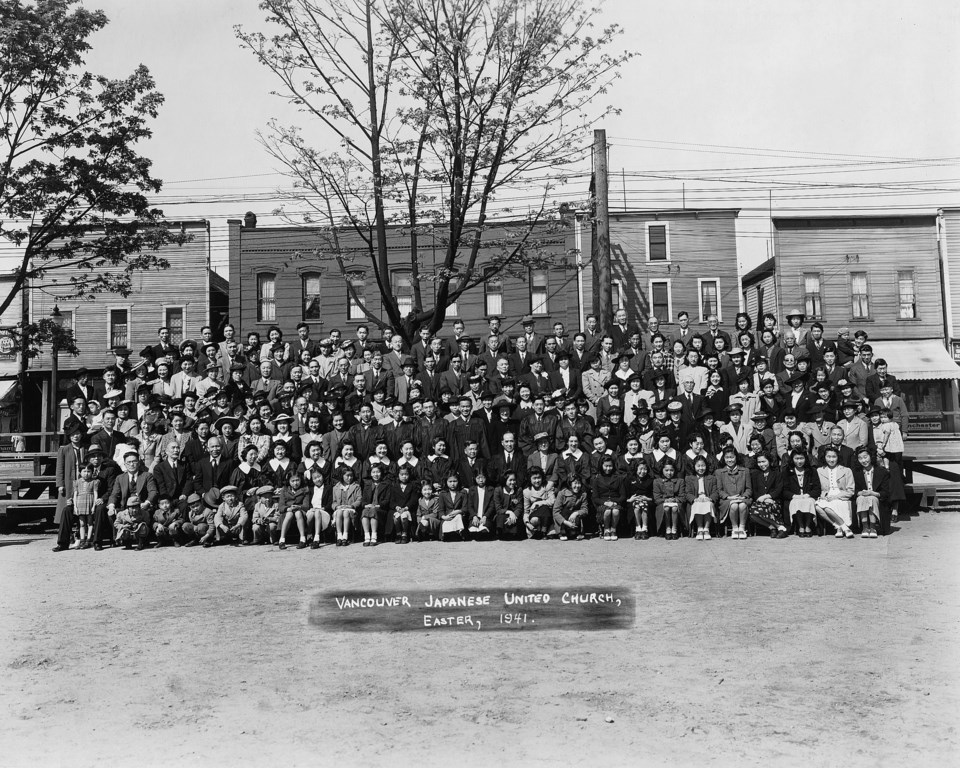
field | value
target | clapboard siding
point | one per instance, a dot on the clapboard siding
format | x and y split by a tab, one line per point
184	284
950	218
290	252
702	246
880	247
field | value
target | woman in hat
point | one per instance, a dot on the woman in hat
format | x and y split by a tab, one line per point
283	434
795	327
836	490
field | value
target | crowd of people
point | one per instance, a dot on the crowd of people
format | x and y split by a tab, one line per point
608	433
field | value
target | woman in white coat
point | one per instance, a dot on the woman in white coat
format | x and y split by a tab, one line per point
836	491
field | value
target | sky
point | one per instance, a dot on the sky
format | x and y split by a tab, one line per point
795	106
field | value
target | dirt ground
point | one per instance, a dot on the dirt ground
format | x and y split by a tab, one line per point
796	653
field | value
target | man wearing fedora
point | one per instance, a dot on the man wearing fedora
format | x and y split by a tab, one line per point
534	339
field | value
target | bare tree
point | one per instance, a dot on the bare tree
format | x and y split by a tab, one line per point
436	107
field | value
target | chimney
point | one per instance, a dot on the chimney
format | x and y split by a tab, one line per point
250	220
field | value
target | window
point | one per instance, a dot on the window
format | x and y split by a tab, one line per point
538	292
119	328
658	243
661	302
173	319
358	282
812	300
455	282
859	295
402	280
493	294
310	288
266	298
616	291
709	299
906	294
66	319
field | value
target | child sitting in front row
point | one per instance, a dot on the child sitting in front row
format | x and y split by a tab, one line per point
294	501
346	503
452	502
428	513
266	516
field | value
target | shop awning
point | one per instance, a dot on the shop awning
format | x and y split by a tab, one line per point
914	360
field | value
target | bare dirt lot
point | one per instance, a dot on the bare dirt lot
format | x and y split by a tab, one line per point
798	652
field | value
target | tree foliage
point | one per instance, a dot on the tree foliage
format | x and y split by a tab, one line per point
435	108
73	189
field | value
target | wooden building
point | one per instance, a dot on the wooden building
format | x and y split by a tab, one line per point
881	274
179	297
759	288
286	275
663	262
949	221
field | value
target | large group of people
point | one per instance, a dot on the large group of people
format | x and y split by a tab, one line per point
607	433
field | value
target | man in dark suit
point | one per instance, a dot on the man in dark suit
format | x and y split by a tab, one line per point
690	401
712	332
378	376
507	459
564	342
592	334
879	379
105	473
536	421
303	342
684	332
83	387
422	348
621	331
451	346
341	378
165	348
847	458
394	356
107	438
455	380
521	357
70	459
404	381
213	470
565	377
133	481
534	339
549	356
429	379
174	478
816	345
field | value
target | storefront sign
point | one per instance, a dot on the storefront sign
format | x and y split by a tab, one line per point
927	422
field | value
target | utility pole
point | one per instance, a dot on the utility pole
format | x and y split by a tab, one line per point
602	227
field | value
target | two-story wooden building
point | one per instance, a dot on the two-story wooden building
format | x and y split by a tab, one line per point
880	274
185	297
665	262
287	275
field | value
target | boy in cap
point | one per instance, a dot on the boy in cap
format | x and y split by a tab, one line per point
132	524
231	517
198	523
266	516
